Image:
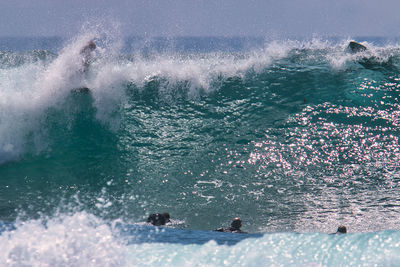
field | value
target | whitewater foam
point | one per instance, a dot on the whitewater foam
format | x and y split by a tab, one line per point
81	239
76	240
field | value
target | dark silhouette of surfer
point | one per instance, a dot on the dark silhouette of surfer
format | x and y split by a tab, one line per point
235	227
158	219
341	230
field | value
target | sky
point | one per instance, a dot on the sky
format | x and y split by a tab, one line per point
280	18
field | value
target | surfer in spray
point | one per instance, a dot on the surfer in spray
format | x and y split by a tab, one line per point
87	55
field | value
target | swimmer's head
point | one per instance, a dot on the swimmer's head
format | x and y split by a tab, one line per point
342	229
236	223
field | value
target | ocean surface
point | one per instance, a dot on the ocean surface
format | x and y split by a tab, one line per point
295	137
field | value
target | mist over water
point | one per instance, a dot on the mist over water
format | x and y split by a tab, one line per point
292	137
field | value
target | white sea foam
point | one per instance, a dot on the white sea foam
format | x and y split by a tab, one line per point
76	240
82	239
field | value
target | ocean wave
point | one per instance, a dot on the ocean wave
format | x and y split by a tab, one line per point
280	130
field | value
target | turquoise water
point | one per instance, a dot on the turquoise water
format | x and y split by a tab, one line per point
295	138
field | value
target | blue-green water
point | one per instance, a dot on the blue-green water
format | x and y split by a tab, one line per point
295	138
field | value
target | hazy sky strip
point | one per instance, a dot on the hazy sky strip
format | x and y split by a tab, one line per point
284	18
